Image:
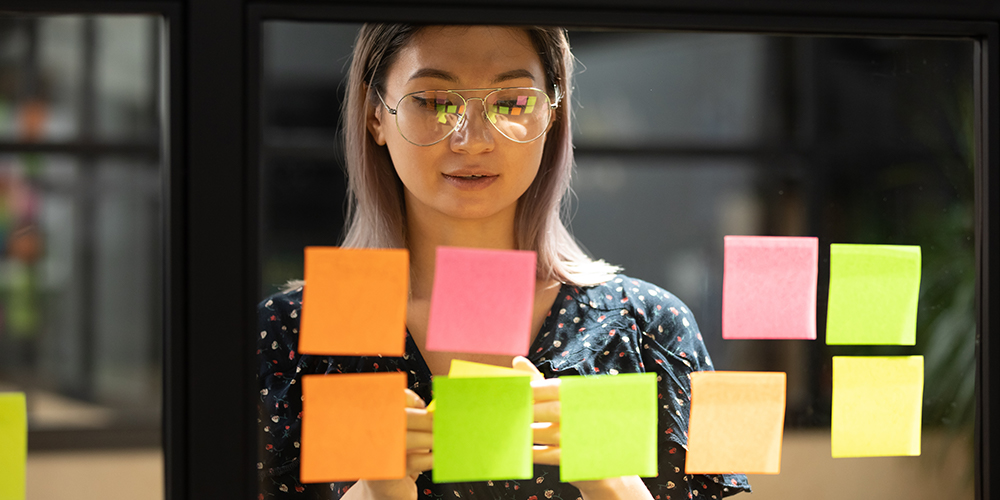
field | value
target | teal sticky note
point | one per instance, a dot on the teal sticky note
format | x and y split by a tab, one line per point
482	428
876	406
621	410
13	445
873	294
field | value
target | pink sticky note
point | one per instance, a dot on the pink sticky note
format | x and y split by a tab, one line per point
769	287
482	301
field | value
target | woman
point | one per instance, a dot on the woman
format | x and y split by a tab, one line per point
484	168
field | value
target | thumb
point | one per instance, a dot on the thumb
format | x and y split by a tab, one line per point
521	363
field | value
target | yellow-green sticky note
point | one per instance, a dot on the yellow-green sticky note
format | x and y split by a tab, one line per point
462	368
608	426
873	294
482	428
876	406
13	445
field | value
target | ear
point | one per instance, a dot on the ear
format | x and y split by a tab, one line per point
375	123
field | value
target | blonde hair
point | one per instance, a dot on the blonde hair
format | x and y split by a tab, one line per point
376	210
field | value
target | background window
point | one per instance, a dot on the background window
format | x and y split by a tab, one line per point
81	249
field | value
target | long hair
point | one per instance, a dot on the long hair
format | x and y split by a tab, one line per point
376	210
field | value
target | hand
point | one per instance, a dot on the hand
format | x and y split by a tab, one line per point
546	409
546	439
419	440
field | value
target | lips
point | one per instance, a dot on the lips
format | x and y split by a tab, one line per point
470	180
470	174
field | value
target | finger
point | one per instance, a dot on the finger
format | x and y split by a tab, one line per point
413	400
545	390
419	462
419	441
419	420
546	433
547	411
521	363
545	455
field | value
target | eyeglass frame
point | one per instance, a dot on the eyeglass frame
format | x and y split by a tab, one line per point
465	101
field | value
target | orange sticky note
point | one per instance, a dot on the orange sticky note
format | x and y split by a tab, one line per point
353	427
354	301
737	420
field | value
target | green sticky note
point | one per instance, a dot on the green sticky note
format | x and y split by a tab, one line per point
621	410
876	406
873	294
13	445
482	428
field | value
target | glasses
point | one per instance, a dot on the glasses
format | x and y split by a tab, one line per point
427	117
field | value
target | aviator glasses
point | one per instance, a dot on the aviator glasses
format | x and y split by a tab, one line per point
427	117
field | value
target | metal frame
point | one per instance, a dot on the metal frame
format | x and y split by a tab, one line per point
211	185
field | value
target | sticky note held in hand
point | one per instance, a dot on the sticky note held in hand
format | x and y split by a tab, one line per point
873	294
482	428
482	301
462	368
622	410
876	406
353	427
769	287
354	301
737	422
14	447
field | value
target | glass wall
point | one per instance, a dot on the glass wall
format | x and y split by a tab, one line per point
683	138
81	252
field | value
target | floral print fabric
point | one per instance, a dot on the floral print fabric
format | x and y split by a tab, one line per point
622	326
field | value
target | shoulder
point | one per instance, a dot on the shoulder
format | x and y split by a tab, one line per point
280	307
650	304
666	325
278	319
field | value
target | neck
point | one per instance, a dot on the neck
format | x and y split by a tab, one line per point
427	230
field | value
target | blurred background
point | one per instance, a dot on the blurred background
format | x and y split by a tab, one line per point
81	253
683	138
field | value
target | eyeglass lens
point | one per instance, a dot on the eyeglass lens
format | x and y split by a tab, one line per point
427	117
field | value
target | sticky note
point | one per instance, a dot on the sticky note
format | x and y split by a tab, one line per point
482	301
353	427
873	294
462	368
482	428
354	301
769	287
522	100
14	450
876	406
608	426
737	421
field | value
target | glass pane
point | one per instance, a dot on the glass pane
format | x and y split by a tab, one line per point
684	138
82	259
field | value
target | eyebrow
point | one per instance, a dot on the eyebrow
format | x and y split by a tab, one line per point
444	75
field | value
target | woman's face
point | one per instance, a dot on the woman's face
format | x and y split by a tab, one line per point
438	178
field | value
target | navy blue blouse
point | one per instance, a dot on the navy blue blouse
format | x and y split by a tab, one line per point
622	326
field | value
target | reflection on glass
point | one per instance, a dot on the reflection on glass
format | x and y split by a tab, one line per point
683	138
80	245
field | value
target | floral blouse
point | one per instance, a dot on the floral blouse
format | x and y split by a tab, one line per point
622	326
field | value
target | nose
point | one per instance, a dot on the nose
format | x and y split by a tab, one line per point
473	135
